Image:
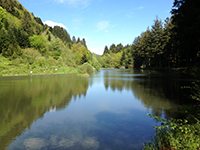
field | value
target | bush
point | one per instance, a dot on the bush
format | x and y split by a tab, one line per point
39	43
40	61
175	134
85	68
97	66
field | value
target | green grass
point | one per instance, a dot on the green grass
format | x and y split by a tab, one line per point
11	68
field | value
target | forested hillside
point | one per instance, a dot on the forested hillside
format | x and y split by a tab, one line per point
27	44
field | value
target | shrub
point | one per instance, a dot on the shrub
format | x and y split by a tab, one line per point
38	43
85	68
175	134
40	61
97	66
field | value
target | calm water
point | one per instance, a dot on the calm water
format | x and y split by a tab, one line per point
105	111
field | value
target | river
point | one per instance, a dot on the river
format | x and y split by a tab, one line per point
107	110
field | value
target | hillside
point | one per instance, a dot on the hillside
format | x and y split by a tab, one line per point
27	44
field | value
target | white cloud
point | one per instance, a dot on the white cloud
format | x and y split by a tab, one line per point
52	24
102	25
75	3
97	50
106	30
140	7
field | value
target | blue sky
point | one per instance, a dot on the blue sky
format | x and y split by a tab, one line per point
101	22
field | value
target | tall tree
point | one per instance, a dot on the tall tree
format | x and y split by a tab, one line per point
73	40
119	48
78	40
157	43
170	52
84	42
113	48
186	18
106	51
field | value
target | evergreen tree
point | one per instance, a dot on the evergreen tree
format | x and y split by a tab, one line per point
49	37
113	48
122	61
73	40
84	42
186	15
38	20
169	51
62	34
78	40
106	51
157	43
119	48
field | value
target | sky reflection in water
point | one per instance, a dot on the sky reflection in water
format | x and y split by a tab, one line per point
105	111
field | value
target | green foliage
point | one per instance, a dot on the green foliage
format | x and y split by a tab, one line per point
176	134
49	37
82	54
38	20
62	34
195	90
106	51
56	48
2	16
38	43
85	68
10	5
30	55
97	66
4	42
96	63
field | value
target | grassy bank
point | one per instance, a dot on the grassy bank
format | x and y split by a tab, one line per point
16	68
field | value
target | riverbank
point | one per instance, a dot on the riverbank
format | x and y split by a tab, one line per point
24	71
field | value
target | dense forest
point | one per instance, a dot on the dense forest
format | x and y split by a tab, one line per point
173	43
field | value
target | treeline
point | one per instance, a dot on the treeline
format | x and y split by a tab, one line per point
173	43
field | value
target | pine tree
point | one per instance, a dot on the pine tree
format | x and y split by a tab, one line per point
113	48
49	37
73	40
157	45
106	51
186	15
84	42
78	40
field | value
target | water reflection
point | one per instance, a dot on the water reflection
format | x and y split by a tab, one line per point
25	99
159	92
105	111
